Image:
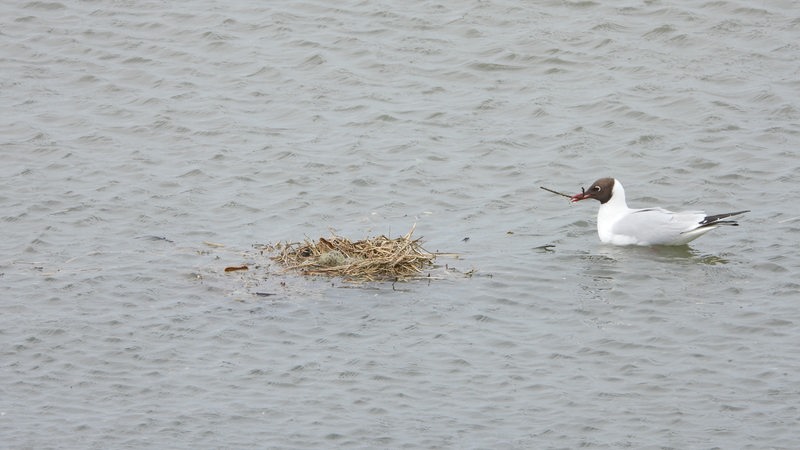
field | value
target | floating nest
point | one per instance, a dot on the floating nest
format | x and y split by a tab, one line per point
372	259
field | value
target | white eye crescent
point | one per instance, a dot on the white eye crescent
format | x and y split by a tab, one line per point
597	188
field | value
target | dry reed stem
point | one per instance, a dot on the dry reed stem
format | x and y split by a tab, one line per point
372	259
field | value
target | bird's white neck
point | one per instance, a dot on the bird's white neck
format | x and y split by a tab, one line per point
611	211
617	200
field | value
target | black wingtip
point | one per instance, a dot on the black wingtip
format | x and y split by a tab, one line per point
717	219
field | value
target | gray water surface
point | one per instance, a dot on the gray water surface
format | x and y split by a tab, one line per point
148	145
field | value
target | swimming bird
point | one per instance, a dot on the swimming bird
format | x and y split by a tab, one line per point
620	225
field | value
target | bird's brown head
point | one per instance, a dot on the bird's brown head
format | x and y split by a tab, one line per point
600	190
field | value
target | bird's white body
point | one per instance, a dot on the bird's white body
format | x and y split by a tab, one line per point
620	225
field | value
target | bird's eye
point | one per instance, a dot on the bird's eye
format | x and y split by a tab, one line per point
596	188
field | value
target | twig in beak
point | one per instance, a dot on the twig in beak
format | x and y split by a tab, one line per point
555	192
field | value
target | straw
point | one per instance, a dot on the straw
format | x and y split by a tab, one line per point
372	259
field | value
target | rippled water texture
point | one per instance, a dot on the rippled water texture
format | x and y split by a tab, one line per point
148	145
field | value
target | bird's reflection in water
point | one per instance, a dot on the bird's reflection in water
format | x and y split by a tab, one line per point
682	254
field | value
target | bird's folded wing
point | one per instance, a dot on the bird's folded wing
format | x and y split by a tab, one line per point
656	225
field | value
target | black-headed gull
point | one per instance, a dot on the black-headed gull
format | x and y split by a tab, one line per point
619	225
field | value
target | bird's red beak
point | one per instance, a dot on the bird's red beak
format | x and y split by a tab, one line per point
582	196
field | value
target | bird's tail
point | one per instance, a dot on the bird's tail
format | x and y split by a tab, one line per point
717	219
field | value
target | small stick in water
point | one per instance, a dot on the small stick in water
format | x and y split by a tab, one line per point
556	192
